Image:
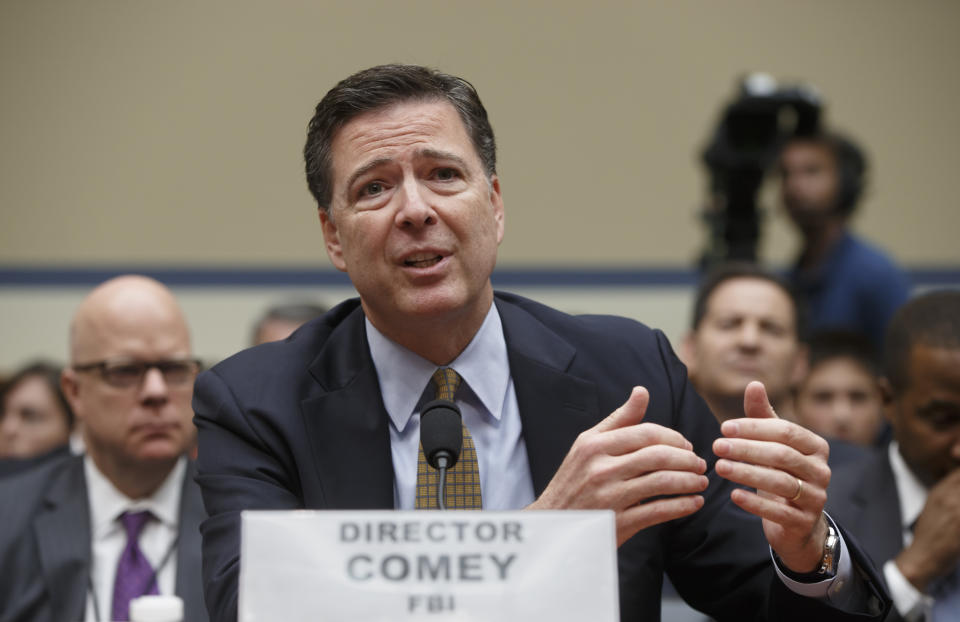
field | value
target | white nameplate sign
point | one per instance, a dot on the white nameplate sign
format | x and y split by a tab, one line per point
428	565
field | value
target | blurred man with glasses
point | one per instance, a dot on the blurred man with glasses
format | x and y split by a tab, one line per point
87	534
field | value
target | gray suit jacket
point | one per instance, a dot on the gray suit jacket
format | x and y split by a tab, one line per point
863	497
45	545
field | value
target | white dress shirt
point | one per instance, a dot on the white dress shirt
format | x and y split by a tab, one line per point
108	538
487	402
911	603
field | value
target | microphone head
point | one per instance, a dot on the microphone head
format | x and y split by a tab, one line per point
441	432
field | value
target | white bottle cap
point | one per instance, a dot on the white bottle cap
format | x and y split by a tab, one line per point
156	609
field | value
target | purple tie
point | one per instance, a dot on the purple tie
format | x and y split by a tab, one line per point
135	577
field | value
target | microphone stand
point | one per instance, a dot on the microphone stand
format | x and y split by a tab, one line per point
442	483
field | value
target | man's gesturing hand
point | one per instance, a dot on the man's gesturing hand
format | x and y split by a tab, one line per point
787	465
620	463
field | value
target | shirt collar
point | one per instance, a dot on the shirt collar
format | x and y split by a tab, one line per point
403	375
910	490
107	503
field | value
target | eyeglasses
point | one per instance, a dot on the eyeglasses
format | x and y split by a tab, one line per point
124	374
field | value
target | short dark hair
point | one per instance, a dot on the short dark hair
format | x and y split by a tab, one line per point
743	270
833	344
379	87
931	319
850	160
50	374
299	312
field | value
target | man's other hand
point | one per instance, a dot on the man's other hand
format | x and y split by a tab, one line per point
787	466
621	464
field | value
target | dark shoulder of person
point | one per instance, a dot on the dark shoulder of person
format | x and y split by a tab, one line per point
844	454
613	330
13	466
23	492
849	465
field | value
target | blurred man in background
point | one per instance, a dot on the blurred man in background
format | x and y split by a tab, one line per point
280	320
904	502
746	326
845	282
89	533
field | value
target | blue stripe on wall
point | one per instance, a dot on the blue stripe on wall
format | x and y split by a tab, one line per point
313	277
199	276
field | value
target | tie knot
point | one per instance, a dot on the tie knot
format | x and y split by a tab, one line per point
133	522
446	381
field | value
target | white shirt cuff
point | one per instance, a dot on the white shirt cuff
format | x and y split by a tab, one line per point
839	590
910	602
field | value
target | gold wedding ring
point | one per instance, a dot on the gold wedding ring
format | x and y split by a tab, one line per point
799	490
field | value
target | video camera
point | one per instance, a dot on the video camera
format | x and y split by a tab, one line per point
752	130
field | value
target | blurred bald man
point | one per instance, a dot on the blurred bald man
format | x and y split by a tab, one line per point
89	533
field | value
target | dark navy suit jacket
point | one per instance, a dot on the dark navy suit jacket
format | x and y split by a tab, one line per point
301	424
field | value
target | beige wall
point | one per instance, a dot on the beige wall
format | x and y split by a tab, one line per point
169	133
221	319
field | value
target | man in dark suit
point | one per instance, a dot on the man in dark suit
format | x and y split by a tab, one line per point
67	548
401	160
747	325
903	503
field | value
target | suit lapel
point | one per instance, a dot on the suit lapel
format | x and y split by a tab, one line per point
189	581
555	406
62	533
347	423
348	427
879	522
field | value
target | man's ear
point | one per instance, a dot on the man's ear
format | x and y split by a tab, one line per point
496	202
886	394
886	389
71	391
331	238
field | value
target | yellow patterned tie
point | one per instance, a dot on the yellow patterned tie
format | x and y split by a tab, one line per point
463	480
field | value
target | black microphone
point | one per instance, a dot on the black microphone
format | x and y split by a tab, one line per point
441	435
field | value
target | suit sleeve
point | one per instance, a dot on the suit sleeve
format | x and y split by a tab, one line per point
239	467
720	560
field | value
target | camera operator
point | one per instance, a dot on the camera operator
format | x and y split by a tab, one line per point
845	282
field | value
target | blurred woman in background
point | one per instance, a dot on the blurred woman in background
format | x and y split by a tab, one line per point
35	419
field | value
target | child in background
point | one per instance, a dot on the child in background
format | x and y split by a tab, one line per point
842	396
